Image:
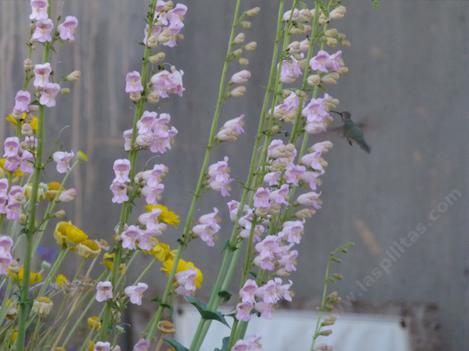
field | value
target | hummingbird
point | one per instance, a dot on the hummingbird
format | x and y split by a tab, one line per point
352	131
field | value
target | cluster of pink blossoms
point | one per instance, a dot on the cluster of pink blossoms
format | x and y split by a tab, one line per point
11	200
167	26
262	299
154	133
44	27
15	156
6	257
251	343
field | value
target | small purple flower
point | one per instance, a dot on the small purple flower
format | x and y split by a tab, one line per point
11	147
48	94
103	291
41	74
207	227
219	178
119	192
39	10
63	159
135	292
290	71
43	31
67	28
165	83
22	101
121	170
232	129
133	83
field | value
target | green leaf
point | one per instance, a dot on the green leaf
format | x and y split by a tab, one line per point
158	301
205	313
176	344
224	346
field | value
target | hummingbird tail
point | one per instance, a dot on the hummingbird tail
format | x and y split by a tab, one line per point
365	147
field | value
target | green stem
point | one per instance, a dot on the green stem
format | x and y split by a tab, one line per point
202	174
24	302
230	256
53	270
127	206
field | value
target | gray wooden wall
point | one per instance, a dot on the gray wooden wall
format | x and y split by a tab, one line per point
409	80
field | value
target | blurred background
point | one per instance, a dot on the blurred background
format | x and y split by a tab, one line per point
404	205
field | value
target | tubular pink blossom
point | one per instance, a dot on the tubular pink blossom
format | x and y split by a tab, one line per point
67	28
43	31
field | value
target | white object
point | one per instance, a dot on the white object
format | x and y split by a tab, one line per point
293	329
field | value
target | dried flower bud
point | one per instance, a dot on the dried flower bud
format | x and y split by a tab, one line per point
73	77
239	39
326	332
166	327
253	12
342	70
238	91
346	43
250	46
28	64
332	33
157	58
243	61
328	321
305	213
338	12
64	91
42	306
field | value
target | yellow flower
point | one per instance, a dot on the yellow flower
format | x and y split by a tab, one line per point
60	348
89	248
183	266
108	259
162	252
14	336
61	280
53	190
33	122
94	323
66	234
17	276
167	216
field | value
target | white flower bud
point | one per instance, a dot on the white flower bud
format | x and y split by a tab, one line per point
135	96
238	91
331	33
338	12
73	77
238	52
243	61
28	64
245	24
152	42
330	78
253	12
250	46
239	39
153	98
241	77
157	58
314	80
